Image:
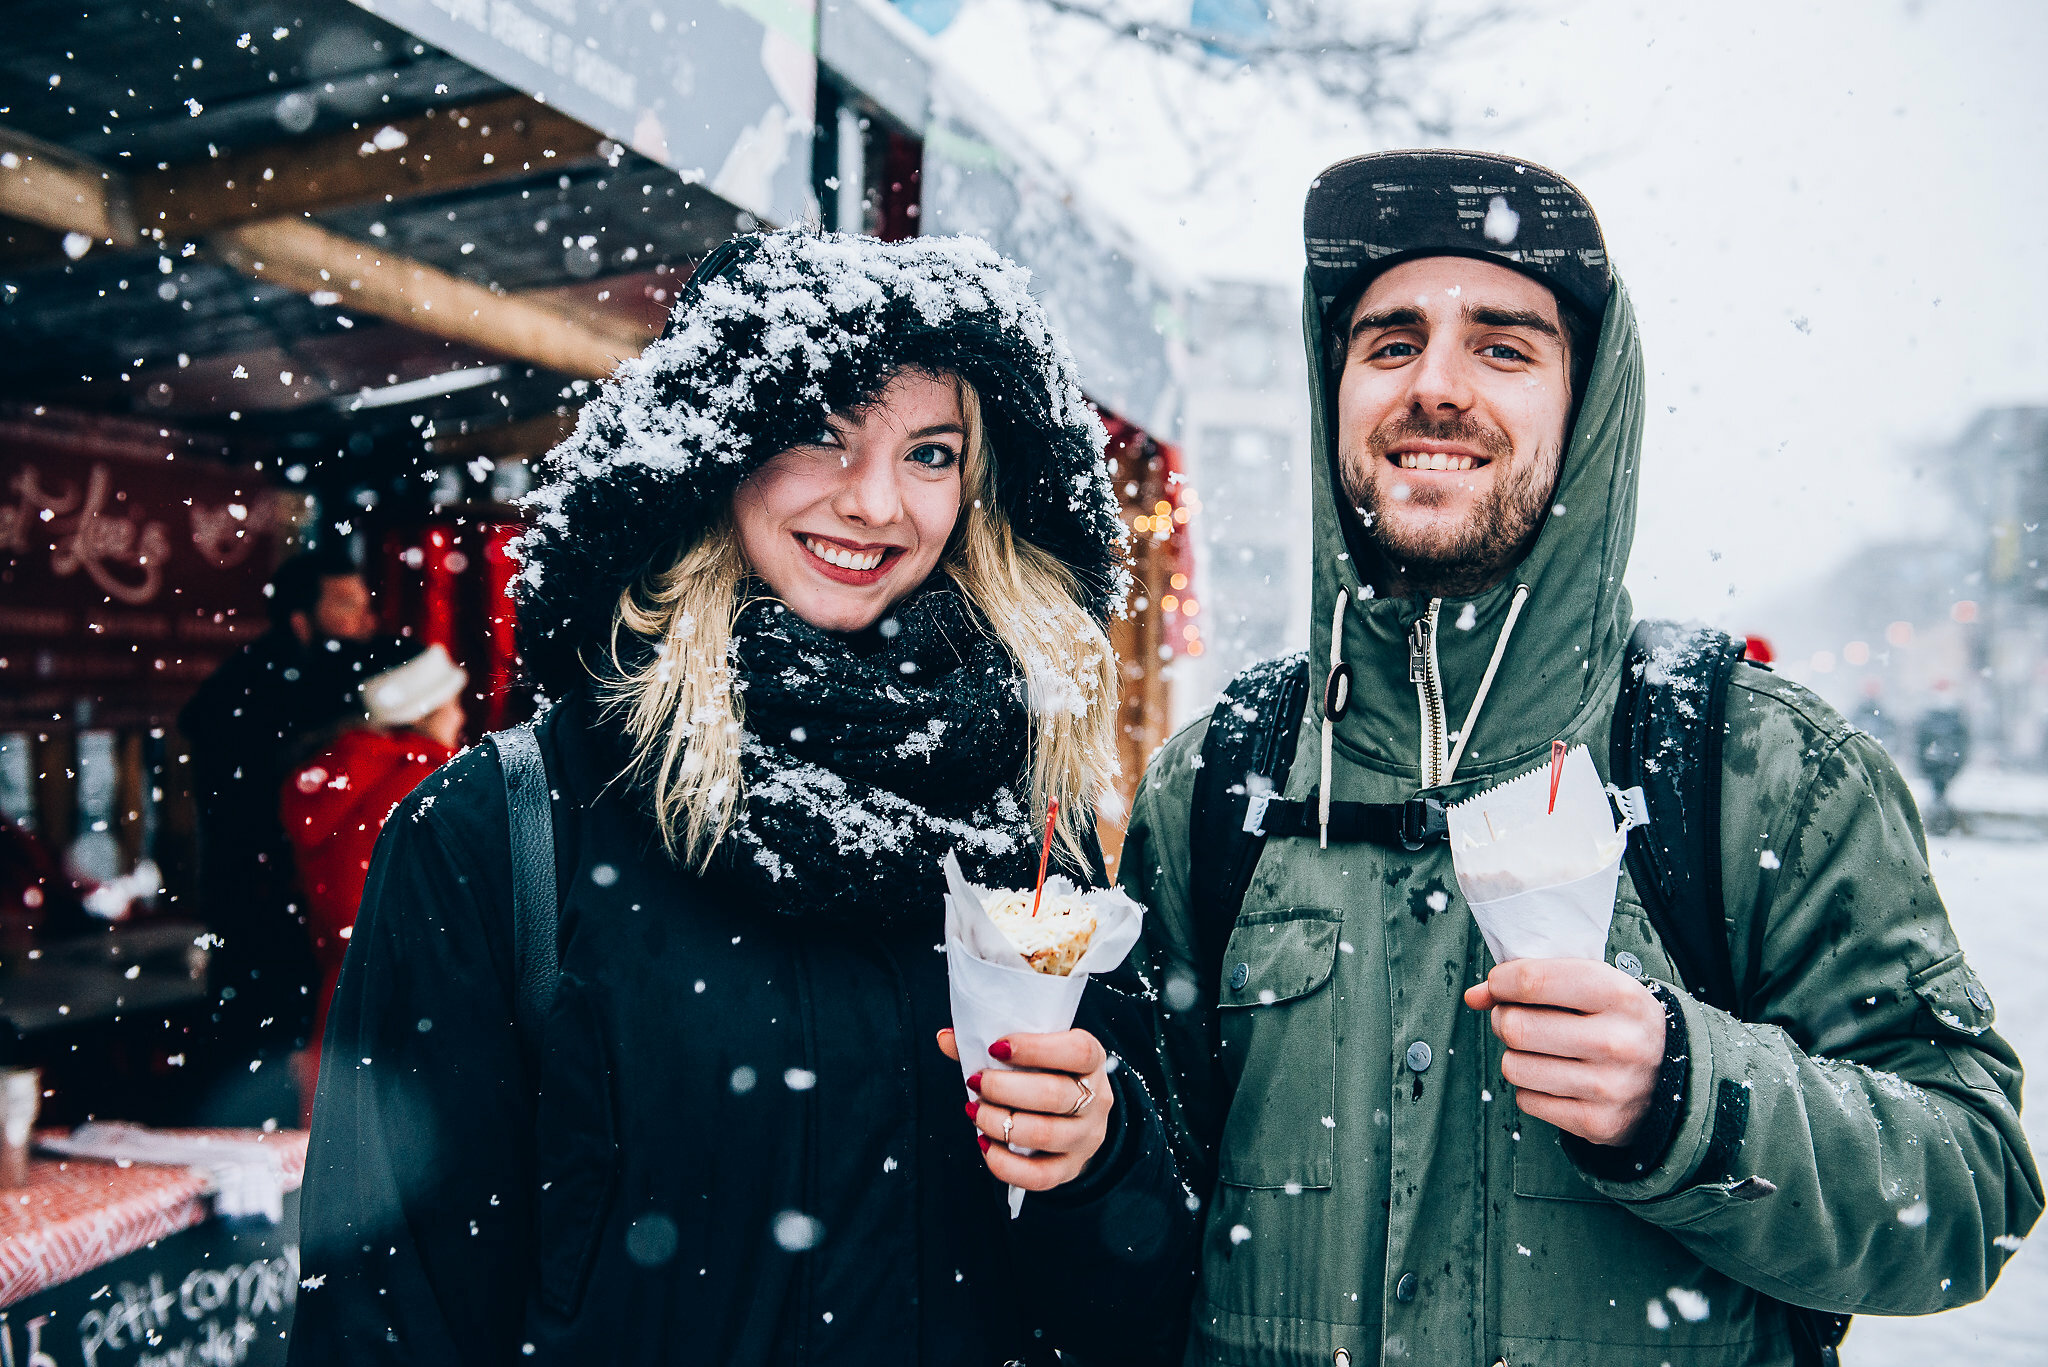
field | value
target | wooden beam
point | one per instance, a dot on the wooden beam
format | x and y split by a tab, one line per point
44	184
445	149
304	256
50	188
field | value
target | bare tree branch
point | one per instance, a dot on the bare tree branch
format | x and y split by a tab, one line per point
1359	62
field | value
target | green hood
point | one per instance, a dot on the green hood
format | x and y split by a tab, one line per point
1569	640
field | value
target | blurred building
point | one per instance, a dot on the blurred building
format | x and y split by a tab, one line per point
1959	613
2003	457
1246	420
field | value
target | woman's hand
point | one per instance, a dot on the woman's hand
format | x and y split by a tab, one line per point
1060	1108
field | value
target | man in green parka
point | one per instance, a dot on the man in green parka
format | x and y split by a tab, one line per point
1410	1153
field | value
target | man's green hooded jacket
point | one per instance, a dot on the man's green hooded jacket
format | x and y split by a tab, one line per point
1370	1200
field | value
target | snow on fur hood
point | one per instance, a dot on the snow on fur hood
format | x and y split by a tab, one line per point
773	331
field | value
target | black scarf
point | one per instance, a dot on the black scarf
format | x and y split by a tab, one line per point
867	757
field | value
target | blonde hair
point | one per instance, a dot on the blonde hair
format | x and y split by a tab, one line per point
684	719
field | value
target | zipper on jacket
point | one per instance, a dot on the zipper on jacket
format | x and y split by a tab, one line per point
1429	694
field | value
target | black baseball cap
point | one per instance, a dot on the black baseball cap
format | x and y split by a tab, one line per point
1368	213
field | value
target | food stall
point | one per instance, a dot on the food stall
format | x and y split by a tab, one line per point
336	279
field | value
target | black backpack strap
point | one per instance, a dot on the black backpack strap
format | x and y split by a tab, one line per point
535	958
1245	757
1669	725
1397	825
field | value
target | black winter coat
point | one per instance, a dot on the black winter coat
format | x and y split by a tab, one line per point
742	1146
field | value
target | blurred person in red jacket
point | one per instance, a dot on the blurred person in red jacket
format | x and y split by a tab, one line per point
335	805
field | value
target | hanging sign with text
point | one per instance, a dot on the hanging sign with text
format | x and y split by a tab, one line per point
130	566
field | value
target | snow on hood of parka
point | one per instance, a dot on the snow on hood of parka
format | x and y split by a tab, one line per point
1566	649
772	332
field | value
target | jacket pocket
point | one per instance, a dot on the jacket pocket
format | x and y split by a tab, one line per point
1953	994
1279	1042
1541	1168
576	1147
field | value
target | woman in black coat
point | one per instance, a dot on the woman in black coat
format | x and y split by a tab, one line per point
819	583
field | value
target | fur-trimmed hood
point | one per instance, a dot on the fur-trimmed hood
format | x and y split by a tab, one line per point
772	332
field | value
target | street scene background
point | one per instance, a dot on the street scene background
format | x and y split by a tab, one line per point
1829	218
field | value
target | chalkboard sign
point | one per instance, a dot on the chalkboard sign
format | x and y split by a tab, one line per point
220	1292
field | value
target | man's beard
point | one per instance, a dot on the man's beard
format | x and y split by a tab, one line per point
1460	559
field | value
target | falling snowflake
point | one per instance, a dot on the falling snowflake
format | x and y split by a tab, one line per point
796	1231
1690	1305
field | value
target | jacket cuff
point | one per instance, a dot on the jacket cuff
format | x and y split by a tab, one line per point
1659	1125
1692	1126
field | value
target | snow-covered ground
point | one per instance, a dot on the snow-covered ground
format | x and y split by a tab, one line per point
1994	890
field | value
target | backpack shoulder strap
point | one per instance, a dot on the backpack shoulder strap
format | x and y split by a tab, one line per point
535	963
1669	724
1245	757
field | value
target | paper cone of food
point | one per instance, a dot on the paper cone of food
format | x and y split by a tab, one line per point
1011	972
1540	874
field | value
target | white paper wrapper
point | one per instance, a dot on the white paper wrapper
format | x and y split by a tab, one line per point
1541	882
996	993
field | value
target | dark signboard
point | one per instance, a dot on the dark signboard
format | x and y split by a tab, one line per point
221	1292
130	566
722	92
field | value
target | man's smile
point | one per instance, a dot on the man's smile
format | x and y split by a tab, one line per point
1435	455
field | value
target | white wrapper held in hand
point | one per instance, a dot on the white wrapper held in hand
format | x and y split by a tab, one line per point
1541	882
996	993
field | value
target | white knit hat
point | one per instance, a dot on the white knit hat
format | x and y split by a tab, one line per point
402	696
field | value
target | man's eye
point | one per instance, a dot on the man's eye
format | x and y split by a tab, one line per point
934	455
1501	351
1397	351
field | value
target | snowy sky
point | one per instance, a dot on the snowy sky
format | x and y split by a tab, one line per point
1831	215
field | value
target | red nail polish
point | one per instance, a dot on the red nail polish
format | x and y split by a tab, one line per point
972	1107
1000	1051
982	1140
974	1083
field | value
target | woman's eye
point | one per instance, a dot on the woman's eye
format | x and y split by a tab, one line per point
824	436
934	455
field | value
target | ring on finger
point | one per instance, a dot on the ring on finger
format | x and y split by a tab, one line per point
1081	1101
1008	1121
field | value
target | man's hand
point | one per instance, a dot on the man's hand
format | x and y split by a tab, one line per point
1035	1102
1584	1043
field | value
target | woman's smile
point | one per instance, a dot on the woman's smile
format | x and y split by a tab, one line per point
847	562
